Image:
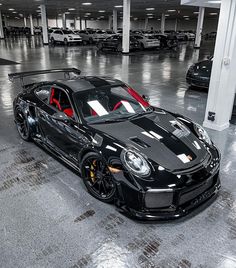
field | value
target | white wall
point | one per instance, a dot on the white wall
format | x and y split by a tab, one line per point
210	24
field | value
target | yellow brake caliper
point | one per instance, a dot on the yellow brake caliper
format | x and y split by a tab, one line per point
92	173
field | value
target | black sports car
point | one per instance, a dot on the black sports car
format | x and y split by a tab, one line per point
115	42
151	163
199	74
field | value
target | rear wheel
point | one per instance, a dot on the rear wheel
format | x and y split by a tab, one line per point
22	125
97	178
52	40
119	48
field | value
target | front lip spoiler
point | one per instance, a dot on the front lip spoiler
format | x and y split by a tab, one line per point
198	204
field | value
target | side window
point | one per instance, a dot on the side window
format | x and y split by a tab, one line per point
60	101
43	93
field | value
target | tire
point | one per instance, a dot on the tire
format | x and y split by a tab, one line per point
84	42
52	41
100	46
65	42
97	177
22	125
119	48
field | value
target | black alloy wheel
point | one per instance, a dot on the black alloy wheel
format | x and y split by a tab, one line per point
119	48
22	125
100	46
97	178
65	42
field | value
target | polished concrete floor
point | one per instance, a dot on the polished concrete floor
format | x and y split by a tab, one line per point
47	219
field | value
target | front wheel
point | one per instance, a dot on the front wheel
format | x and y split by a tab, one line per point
65	42
100	46
98	178
22	125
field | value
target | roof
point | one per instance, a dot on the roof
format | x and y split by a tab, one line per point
83	83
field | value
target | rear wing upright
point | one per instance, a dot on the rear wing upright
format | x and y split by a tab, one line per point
13	76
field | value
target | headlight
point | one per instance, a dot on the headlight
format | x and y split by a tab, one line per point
202	134
135	163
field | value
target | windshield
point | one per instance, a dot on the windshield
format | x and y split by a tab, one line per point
110	104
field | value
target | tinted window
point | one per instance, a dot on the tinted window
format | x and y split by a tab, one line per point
43	93
67	32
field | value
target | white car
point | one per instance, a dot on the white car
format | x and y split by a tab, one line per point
147	41
65	36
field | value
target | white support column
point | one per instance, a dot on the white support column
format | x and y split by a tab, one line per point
146	23
1	27
64	20
163	22
199	27
75	23
56	21
115	20
44	24
110	22
223	84
25	22
31	25
126	26
176	25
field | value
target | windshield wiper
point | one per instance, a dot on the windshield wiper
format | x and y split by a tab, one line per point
139	114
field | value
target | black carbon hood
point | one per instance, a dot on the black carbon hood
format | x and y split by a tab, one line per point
161	137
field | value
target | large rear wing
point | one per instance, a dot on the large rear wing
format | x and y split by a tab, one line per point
22	75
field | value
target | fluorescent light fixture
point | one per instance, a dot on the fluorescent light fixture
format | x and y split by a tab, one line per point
213	14
196	12
171	10
86	4
11	9
167	15
67	12
185	16
71	8
88	14
119	6
149	14
214	2
150	8
101	11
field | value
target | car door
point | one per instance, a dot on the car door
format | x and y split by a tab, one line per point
68	137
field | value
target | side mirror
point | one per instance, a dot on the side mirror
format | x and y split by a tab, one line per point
146	98
60	116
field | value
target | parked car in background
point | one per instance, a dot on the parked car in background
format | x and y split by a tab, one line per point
115	42
99	35
65	36
199	74
37	30
147	41
211	35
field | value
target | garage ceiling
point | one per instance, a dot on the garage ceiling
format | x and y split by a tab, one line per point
138	8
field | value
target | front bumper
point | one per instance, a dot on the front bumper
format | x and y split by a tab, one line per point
75	40
195	205
197	81
193	191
